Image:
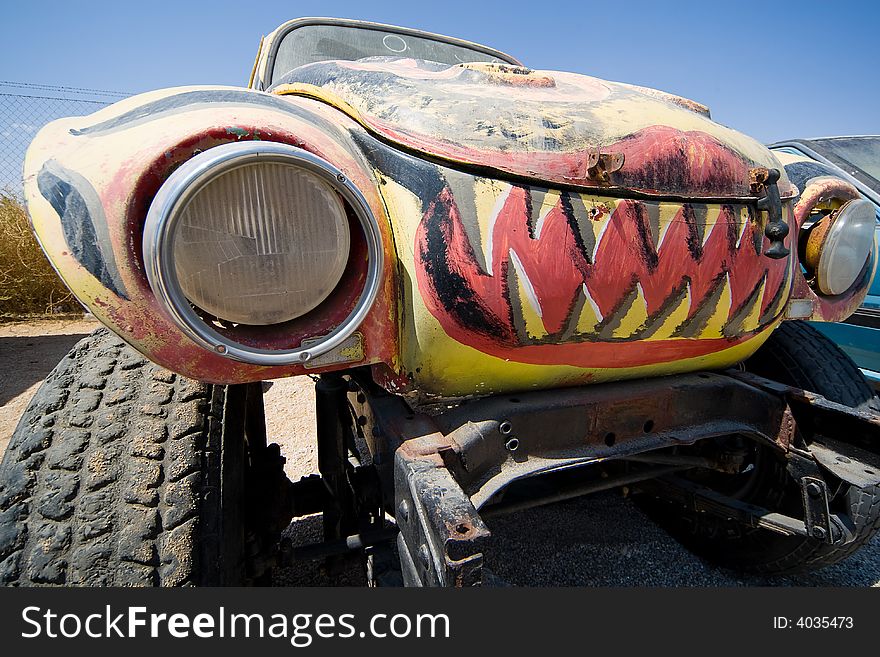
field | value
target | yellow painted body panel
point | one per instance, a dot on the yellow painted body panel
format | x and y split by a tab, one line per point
441	366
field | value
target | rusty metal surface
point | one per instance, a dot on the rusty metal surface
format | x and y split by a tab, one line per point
595	423
853	465
578	426
453	460
835	417
815	242
538	124
441	533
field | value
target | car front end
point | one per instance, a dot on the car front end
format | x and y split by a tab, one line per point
498	274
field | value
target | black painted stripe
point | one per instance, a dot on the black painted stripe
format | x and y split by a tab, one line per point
82	221
187	99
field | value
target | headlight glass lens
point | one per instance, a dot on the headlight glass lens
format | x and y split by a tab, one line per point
849	244
261	244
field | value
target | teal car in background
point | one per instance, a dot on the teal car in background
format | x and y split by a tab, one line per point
857	159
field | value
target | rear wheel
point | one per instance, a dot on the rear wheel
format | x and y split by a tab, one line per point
121	473
797	355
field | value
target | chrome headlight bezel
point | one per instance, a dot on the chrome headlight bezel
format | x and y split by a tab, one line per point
158	247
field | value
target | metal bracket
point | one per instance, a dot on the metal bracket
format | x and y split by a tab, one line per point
600	166
334	441
353	501
764	181
819	522
817	516
439	467
441	534
702	499
852	464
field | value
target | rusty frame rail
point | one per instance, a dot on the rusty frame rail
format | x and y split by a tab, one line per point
442	464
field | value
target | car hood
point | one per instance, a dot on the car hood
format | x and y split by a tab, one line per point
552	126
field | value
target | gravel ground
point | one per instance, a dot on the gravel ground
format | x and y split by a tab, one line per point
602	540
28	352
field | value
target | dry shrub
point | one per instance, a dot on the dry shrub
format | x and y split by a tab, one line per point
28	284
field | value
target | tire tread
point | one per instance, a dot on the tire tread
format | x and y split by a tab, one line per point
101	481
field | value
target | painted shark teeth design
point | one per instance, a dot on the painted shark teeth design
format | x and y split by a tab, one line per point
524	305
569	267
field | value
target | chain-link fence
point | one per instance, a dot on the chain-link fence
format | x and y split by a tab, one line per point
28	285
26	107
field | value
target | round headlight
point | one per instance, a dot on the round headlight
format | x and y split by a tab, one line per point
258	233
261	243
839	246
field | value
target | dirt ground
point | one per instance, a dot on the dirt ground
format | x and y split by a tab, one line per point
29	351
602	540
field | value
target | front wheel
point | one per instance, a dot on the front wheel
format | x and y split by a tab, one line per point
121	473
797	355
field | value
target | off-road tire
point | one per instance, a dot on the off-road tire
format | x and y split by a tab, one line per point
121	473
798	355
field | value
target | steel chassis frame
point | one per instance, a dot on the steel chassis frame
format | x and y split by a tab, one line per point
436	469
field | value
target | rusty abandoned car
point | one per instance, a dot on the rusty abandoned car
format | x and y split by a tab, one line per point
512	287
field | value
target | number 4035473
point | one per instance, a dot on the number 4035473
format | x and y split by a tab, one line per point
813	623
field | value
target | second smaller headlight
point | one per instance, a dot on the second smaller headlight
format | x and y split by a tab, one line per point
838	250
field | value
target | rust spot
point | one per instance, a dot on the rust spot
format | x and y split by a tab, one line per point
518	76
603	165
757	180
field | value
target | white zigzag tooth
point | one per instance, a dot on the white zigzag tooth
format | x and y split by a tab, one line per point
589	315
666	221
488	236
744	217
605	222
551	199
707	231
523	278
636	315
529	308
592	303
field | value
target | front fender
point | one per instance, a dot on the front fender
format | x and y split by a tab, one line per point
89	182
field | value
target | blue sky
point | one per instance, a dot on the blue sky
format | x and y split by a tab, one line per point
771	69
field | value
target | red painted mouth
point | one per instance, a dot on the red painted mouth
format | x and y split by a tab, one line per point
610	254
